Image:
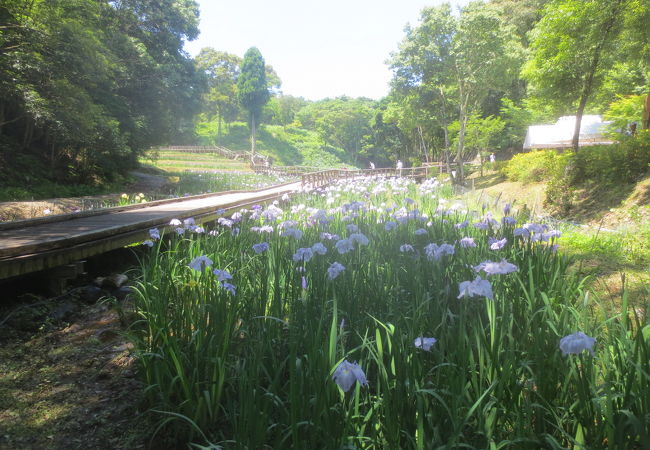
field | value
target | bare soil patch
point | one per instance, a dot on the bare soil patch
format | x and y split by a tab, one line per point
71	387
145	183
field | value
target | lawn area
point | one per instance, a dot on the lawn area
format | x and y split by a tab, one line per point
177	161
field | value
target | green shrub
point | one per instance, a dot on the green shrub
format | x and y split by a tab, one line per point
621	163
600	166
535	166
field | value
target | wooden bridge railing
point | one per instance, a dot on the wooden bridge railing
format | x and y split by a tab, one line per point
283	170
324	177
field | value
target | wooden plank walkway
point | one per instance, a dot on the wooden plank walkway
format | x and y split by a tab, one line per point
48	242
37	244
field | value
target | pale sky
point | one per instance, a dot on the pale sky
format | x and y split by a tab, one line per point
319	49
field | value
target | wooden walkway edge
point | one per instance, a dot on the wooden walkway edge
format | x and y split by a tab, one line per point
47	242
38	244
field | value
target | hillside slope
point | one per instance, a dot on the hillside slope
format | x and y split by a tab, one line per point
287	146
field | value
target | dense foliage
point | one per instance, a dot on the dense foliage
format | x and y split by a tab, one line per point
600	166
252	89
369	315
468	83
87	85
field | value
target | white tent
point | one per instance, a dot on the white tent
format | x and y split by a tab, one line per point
560	134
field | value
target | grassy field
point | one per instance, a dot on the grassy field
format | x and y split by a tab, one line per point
177	161
612	249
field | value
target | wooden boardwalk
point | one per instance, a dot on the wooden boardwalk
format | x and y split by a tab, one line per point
62	240
47	242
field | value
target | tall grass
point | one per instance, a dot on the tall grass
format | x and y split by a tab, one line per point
254	369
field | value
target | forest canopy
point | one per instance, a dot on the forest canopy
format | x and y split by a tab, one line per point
86	86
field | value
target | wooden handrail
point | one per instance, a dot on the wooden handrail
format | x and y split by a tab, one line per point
324	177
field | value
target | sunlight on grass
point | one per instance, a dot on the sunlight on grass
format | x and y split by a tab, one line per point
381	314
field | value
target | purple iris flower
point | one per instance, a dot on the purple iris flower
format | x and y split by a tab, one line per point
329	236
435	251
467	242
497	244
576	343
154	234
424	343
261	247
334	270
343	246
292	232
352	228
347	373
478	287
390	225
496	268
229	287
199	263
359	238
303	254
319	248
222	275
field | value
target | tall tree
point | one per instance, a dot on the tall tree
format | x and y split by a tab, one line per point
221	70
465	57
87	85
573	45
423	77
253	90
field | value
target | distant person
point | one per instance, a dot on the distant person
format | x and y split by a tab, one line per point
372	165
399	166
492	158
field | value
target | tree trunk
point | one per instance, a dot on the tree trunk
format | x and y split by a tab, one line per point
28	134
253	134
575	143
589	80
445	130
646	113
461	138
219	120
423	145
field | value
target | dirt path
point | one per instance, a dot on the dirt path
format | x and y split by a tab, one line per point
146	183
70	388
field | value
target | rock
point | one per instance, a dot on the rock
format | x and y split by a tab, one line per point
121	293
64	311
90	293
113	281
